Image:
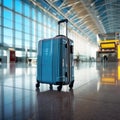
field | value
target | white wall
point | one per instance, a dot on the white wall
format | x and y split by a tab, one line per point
82	46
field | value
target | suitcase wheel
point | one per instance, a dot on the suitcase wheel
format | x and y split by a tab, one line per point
71	84
59	87
37	84
51	87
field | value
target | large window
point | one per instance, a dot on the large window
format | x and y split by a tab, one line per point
34	42
18	39
8	37
24	25
18	19
33	28
27	25
33	14
26	10
54	28
27	41
8	23
18	53
18	6
18	22
33	54
39	17
8	41
8	17
18	26
8	3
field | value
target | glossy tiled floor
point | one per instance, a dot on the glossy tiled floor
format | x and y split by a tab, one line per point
95	95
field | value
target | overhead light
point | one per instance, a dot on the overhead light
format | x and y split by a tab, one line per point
92	4
98	16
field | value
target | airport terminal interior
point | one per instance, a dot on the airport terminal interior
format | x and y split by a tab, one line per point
74	44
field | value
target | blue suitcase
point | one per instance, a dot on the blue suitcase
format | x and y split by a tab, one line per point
55	61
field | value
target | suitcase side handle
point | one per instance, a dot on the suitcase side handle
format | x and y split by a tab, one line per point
62	21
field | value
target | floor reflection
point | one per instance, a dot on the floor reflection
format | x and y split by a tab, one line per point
54	105
16	104
17	96
95	95
109	73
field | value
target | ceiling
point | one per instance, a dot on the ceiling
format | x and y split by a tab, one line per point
88	17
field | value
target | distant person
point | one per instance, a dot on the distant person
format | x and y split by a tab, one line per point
90	59
105	58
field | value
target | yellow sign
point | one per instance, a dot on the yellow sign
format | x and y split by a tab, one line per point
107	45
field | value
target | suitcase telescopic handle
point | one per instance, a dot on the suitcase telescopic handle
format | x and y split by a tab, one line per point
63	21
68	45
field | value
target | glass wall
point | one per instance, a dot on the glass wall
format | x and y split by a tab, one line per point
22	25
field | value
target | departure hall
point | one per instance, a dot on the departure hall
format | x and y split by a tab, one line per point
59	59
